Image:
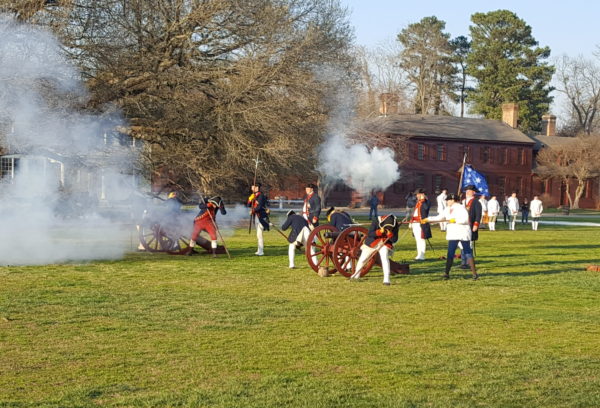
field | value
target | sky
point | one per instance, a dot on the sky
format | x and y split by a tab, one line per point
569	27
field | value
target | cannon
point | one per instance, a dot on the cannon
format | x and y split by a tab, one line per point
337	251
168	231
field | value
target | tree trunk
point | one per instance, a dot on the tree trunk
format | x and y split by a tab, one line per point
578	193
568	192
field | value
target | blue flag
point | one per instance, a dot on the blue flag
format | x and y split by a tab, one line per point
472	176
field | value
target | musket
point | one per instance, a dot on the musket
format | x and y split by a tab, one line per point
253	184
371	256
216	228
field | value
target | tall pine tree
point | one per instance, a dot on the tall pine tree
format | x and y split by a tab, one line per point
508	66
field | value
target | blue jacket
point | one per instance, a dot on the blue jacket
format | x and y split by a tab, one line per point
297	222
340	219
259	204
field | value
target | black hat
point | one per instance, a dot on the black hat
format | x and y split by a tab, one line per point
420	191
330	210
471	187
388	221
452	196
311	185
217	201
291	212
257	184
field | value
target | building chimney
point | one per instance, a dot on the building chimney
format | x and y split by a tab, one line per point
388	104
510	114
549	125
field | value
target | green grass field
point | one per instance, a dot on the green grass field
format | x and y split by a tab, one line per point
155	330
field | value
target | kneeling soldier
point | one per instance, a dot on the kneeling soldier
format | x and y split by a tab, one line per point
339	219
206	220
381	238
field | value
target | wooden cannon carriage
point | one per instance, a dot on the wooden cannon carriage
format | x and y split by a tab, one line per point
167	231
339	251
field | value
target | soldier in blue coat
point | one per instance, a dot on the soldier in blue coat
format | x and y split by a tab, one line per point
311	210
298	235
339	219
260	213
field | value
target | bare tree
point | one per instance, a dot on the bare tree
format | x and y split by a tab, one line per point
576	160
209	84
579	80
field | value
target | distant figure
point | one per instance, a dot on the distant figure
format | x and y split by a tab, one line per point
373	202
525	211
513	210
536	209
505	209
441	206
484	210
493	207
411	201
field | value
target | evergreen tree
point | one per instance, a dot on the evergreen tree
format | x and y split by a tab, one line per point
462	47
508	65
427	61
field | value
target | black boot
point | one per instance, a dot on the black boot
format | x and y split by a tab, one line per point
214	252
471	263
449	262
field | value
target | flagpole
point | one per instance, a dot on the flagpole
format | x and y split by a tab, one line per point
462	172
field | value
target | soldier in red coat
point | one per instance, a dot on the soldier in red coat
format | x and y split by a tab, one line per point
206	220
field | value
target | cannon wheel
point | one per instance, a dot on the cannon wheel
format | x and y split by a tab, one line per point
346	251
153	238
180	247
322	245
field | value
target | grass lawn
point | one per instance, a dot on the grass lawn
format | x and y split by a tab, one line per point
155	330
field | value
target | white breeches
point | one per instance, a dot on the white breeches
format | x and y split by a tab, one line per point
259	235
366	252
421	243
302	238
513	221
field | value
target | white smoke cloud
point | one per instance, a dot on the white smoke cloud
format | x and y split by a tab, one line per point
358	167
342	159
60	172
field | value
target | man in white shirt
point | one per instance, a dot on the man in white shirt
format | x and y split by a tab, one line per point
484	210
536	209
441	206
493	207
513	210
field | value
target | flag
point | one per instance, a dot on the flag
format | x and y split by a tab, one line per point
472	176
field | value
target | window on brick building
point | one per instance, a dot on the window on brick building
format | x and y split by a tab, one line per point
485	154
440	151
466	150
438	180
420	180
501	181
522	158
421	151
503	156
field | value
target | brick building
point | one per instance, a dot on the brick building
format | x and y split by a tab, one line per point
435	146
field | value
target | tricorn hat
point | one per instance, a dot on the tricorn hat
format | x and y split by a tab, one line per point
330	210
311	185
471	187
389	221
420	191
290	212
452	196
217	201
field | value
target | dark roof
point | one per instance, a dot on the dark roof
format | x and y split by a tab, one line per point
451	127
550	141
